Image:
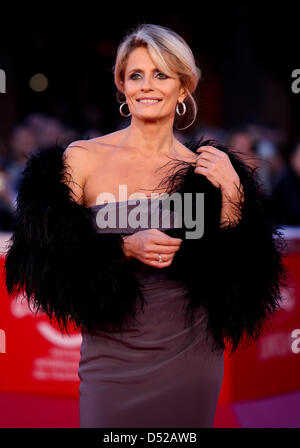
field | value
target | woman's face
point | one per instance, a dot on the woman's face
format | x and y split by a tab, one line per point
150	94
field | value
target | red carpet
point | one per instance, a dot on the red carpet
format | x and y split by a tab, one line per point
23	411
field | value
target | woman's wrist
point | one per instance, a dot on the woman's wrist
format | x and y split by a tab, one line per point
126	247
232	201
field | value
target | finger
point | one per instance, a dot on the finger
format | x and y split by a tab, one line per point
213	152
163	264
166	240
208	156
159	249
205	163
209	149
164	257
201	170
159	235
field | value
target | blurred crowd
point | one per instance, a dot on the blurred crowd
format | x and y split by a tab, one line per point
276	162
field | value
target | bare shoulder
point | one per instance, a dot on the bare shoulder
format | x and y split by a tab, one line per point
97	146
81	157
77	156
107	141
78	160
78	147
81	154
84	151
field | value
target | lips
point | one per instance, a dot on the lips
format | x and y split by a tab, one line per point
148	100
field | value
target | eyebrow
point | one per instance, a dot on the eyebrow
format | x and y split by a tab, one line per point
141	70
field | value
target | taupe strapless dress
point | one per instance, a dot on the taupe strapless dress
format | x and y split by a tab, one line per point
157	374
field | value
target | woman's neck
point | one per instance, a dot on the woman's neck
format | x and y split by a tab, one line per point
151	139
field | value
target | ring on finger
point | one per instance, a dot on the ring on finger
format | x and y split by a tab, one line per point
160	258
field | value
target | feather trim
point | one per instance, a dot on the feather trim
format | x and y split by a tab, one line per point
57	260
77	276
235	272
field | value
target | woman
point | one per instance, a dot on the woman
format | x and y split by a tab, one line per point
146	366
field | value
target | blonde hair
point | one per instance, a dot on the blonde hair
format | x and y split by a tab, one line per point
169	52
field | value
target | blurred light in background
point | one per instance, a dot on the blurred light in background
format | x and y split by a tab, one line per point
38	82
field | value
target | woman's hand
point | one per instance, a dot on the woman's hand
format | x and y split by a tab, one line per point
215	165
147	245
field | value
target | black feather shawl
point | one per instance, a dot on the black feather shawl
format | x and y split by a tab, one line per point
81	278
67	270
235	272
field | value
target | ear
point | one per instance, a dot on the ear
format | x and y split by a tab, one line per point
182	94
121	86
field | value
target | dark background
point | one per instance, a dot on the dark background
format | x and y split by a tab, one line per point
246	52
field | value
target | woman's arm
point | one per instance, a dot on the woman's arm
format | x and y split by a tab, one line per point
77	164
57	260
216	166
126	247
240	269
232	202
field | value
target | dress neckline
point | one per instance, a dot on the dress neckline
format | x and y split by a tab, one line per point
121	202
178	176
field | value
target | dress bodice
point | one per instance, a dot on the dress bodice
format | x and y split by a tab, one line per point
128	217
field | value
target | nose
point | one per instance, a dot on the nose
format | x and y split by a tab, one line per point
147	83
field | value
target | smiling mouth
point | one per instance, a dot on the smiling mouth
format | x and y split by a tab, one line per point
149	101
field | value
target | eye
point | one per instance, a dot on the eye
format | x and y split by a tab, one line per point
161	75
134	76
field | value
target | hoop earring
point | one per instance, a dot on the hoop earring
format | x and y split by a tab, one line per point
184	109
122	113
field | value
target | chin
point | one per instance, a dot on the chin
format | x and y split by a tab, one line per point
149	116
